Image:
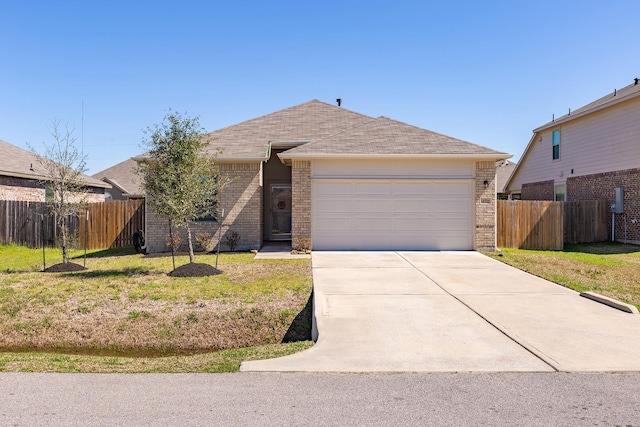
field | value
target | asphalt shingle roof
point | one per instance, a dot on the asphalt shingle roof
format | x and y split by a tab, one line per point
385	136
17	162
302	123
318	128
504	169
124	176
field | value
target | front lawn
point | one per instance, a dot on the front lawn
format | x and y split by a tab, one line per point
610	269
125	305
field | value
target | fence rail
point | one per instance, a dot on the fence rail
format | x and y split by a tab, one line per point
109	224
548	225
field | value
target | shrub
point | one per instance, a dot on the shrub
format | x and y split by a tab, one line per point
231	240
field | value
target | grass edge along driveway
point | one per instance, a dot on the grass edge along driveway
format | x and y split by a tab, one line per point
610	269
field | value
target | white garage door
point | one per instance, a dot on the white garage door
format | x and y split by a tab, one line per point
392	215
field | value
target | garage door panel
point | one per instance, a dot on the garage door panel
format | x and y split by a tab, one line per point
412	190
412	205
334	224
360	189
332	189
372	205
411	225
330	207
393	215
453	207
373	225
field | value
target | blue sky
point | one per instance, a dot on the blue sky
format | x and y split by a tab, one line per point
484	72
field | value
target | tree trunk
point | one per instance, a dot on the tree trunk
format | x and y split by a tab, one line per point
63	232
190	242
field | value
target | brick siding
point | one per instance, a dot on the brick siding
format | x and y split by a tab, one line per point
485	206
21	189
301	204
29	190
602	186
542	190
241	200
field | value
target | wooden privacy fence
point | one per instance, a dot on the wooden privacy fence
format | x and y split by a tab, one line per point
26	223
548	225
586	221
109	224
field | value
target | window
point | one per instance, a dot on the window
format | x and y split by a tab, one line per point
48	193
555	142
560	193
207	209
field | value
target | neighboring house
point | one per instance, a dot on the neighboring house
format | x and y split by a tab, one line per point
124	181
21	177
504	169
586	155
332	179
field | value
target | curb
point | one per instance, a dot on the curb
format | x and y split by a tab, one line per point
628	308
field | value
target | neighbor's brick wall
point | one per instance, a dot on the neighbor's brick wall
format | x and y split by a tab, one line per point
301	204
602	186
29	190
542	190
241	200
485	206
20	189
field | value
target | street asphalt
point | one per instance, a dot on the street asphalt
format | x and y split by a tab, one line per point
307	399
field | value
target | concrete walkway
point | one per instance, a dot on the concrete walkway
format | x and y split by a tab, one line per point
278	250
454	312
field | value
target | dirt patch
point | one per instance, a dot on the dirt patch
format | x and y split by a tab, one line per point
194	269
64	268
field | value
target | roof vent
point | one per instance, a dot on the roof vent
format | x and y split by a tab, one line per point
636	81
339	100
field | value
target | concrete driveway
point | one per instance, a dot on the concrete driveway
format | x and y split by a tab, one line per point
454	312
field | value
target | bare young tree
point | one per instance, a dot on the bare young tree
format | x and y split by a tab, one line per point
61	168
181	179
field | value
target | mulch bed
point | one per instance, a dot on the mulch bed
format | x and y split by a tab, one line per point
194	270
64	268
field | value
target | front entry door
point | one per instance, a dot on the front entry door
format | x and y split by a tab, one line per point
280	212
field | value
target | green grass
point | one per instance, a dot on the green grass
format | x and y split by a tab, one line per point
125	304
212	362
610	269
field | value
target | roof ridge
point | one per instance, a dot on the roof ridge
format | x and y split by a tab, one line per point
283	110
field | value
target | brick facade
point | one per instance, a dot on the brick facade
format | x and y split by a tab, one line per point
301	204
542	190
485	206
241	200
602	186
